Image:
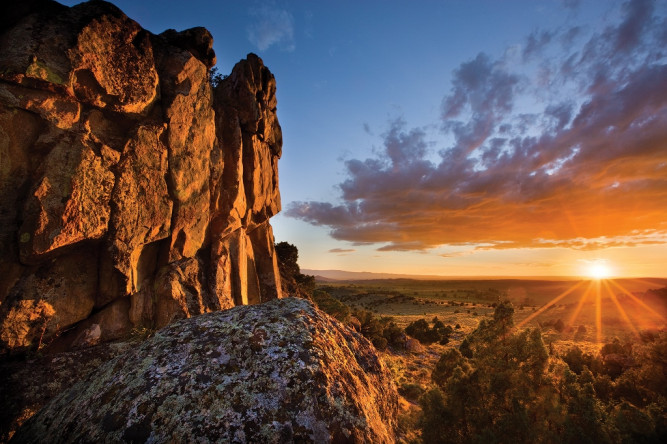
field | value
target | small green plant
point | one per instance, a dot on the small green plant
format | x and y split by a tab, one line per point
140	334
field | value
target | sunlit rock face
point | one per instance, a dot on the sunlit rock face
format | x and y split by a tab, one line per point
279	372
132	194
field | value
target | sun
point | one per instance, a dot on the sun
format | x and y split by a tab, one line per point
599	270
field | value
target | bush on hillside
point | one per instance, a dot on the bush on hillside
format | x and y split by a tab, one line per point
382	332
331	306
425	334
293	282
502	386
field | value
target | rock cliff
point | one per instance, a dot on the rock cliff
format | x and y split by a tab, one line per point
132	193
278	372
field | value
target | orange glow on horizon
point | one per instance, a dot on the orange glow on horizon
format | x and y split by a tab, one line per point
599	269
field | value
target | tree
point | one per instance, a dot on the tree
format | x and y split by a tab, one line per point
575	359
215	78
489	388
421	331
293	282
288	256
448	362
504	386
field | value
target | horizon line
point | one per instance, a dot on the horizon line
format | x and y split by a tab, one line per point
464	277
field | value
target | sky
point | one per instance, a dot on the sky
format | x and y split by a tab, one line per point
459	137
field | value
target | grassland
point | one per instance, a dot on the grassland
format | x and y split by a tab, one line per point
624	307
565	310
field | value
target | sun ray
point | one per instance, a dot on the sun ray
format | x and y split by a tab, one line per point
549	304
646	282
582	301
598	313
637	300
620	308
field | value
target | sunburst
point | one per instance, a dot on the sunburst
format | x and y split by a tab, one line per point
599	269
601	286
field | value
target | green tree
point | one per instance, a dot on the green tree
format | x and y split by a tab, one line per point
288	256
448	362
293	282
490	388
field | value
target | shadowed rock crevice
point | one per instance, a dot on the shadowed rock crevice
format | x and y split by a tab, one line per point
126	178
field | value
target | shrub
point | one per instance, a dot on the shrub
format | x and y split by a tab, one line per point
331	306
411	391
575	359
381	332
380	343
421	331
393	334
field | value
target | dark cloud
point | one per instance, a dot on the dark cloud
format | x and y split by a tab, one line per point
587	171
637	20
483	87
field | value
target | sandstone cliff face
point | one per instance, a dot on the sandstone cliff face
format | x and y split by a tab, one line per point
278	372
132	194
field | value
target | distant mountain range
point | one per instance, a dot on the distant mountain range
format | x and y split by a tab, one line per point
341	275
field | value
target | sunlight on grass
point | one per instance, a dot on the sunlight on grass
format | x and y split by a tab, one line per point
581	303
620	309
602	293
638	301
549	304
598	313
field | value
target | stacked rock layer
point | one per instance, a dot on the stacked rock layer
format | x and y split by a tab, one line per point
132	192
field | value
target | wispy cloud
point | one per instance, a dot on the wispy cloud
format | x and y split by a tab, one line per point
342	250
587	170
271	26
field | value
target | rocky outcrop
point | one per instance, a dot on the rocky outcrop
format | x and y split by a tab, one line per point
132	193
277	372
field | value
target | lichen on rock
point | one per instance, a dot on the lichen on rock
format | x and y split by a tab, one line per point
278	372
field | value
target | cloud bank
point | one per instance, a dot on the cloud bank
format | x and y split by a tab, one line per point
586	170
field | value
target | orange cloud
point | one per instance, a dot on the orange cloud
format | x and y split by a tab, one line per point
589	171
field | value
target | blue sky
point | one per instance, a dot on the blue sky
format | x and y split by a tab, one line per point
459	137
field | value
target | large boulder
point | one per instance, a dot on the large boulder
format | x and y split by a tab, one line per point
277	372
132	193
